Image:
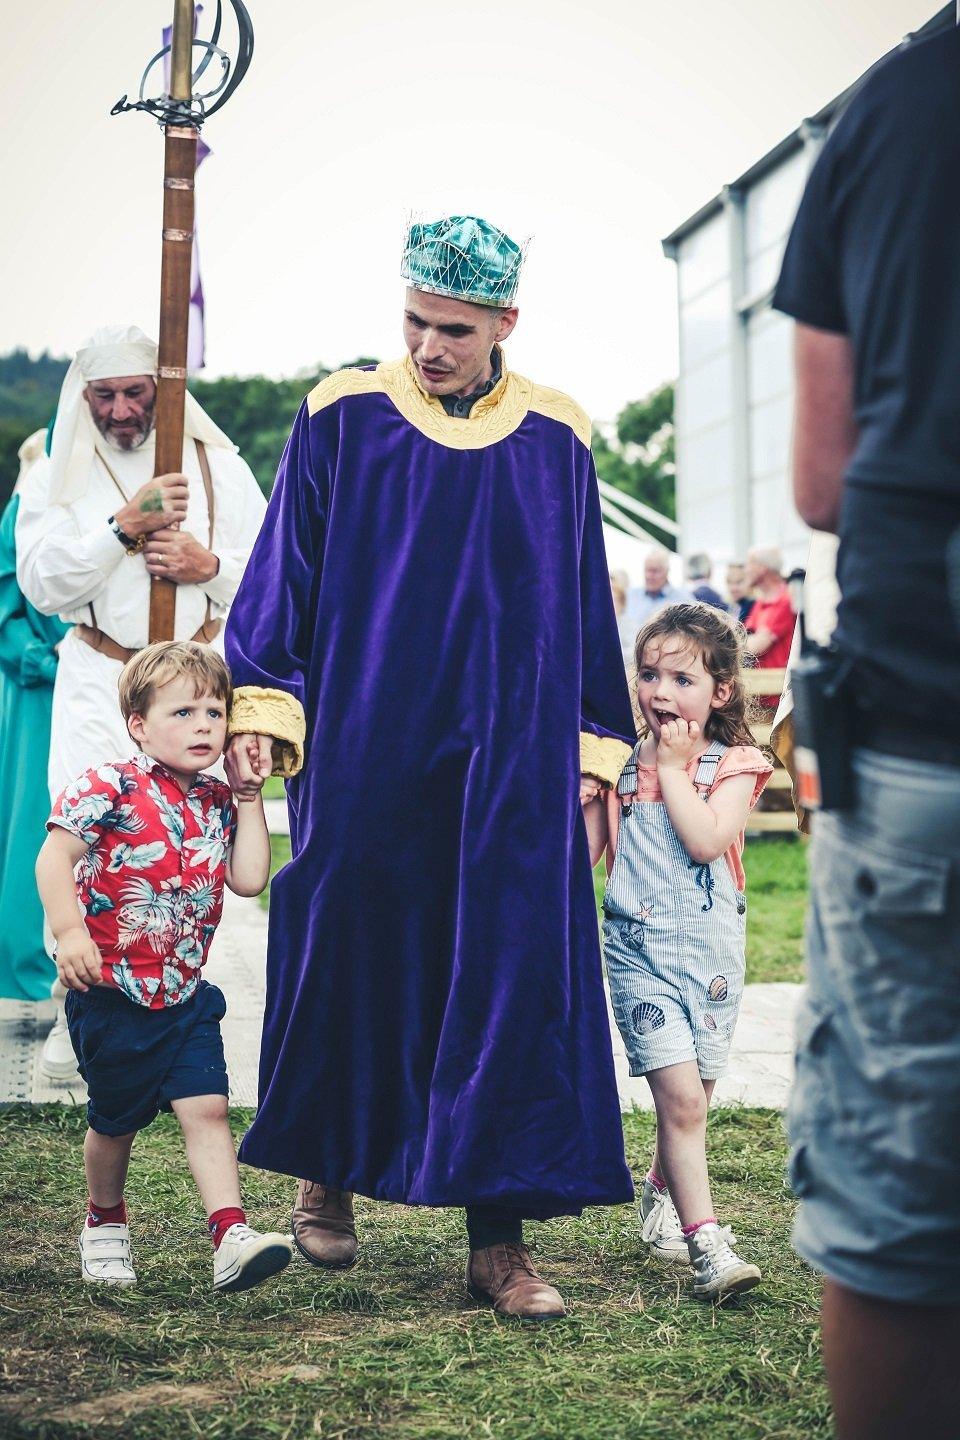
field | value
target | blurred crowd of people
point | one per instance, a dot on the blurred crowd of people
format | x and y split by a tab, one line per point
756	595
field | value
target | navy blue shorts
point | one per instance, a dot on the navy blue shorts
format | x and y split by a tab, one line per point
136	1061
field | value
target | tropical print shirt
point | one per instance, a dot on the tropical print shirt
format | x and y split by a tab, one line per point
151	882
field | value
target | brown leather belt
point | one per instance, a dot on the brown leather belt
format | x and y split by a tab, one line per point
98	640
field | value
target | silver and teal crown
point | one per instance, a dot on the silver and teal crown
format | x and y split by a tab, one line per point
464	257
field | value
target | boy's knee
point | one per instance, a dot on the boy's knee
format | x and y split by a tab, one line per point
97	1137
200	1110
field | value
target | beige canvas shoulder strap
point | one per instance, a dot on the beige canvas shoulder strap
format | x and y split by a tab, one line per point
204	632
207	485
208	489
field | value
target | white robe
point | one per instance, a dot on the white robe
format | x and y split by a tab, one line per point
68	559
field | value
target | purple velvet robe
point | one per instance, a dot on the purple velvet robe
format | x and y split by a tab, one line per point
436	1030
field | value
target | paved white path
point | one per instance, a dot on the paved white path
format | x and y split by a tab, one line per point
760	1070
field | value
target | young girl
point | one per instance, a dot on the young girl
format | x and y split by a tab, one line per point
675	914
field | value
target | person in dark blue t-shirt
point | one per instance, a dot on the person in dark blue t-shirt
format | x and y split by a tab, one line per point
872	276
699	570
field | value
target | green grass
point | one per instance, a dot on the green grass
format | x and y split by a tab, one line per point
776	907
776	900
393	1349
279	855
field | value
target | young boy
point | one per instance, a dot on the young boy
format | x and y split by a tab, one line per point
153	839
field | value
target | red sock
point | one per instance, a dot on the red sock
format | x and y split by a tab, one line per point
221	1220
689	1229
656	1179
106	1214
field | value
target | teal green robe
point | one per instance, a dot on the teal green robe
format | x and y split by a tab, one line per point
28	665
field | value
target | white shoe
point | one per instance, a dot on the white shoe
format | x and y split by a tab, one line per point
660	1226
244	1258
58	1060
105	1255
717	1268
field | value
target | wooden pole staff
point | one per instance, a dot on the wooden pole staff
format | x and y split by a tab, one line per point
179	169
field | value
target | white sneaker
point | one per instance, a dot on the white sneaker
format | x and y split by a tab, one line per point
244	1258
105	1255
58	1060
717	1268
660	1226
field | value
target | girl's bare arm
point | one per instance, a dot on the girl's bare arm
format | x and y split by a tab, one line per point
706	831
595	819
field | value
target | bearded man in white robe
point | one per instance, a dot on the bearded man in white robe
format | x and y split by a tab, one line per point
95	524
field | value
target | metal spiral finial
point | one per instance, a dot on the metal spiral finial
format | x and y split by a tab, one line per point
166	109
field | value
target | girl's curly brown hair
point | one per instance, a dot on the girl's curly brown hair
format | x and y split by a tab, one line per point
720	641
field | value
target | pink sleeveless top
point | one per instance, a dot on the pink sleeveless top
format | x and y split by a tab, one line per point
738	760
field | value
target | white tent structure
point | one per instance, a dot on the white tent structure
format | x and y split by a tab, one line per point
735	387
627	542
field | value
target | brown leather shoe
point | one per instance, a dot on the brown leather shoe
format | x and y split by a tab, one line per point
323	1228
504	1276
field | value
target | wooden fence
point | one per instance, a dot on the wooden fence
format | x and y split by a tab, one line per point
781	815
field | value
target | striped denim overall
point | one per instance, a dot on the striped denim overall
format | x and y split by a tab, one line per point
674	937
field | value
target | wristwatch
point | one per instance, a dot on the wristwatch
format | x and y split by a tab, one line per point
132	547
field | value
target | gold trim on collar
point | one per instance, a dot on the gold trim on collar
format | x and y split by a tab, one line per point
339	384
557	406
493	417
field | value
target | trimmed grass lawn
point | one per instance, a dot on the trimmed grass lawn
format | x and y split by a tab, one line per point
776	902
393	1349
776	907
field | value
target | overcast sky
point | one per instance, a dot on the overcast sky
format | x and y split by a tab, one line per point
595	128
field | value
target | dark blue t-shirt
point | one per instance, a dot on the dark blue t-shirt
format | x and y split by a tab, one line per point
875	255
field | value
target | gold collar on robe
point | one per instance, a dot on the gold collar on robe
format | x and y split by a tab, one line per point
493	417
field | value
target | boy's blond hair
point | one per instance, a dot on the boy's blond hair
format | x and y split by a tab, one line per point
157	664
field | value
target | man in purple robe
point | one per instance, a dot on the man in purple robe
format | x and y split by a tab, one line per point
430	586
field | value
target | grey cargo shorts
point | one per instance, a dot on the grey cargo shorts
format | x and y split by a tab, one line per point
874	1115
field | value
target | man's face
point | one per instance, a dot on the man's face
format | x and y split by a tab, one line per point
450	341
123	409
754	571
736	582
654	575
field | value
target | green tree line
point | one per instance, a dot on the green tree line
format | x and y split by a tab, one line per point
639	457
257	413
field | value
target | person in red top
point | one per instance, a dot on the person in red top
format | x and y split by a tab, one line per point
152	841
771	620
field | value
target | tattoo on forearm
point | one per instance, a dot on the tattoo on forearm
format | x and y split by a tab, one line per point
152	503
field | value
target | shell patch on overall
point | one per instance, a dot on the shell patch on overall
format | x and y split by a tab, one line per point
647	1017
718	989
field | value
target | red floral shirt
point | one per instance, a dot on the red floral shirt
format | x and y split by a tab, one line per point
151	882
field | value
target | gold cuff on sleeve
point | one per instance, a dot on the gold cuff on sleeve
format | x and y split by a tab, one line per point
602	756
276	713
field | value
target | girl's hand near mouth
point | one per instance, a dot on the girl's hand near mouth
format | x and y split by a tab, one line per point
678	743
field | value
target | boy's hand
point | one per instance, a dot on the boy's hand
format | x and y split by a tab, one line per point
677	744
79	962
